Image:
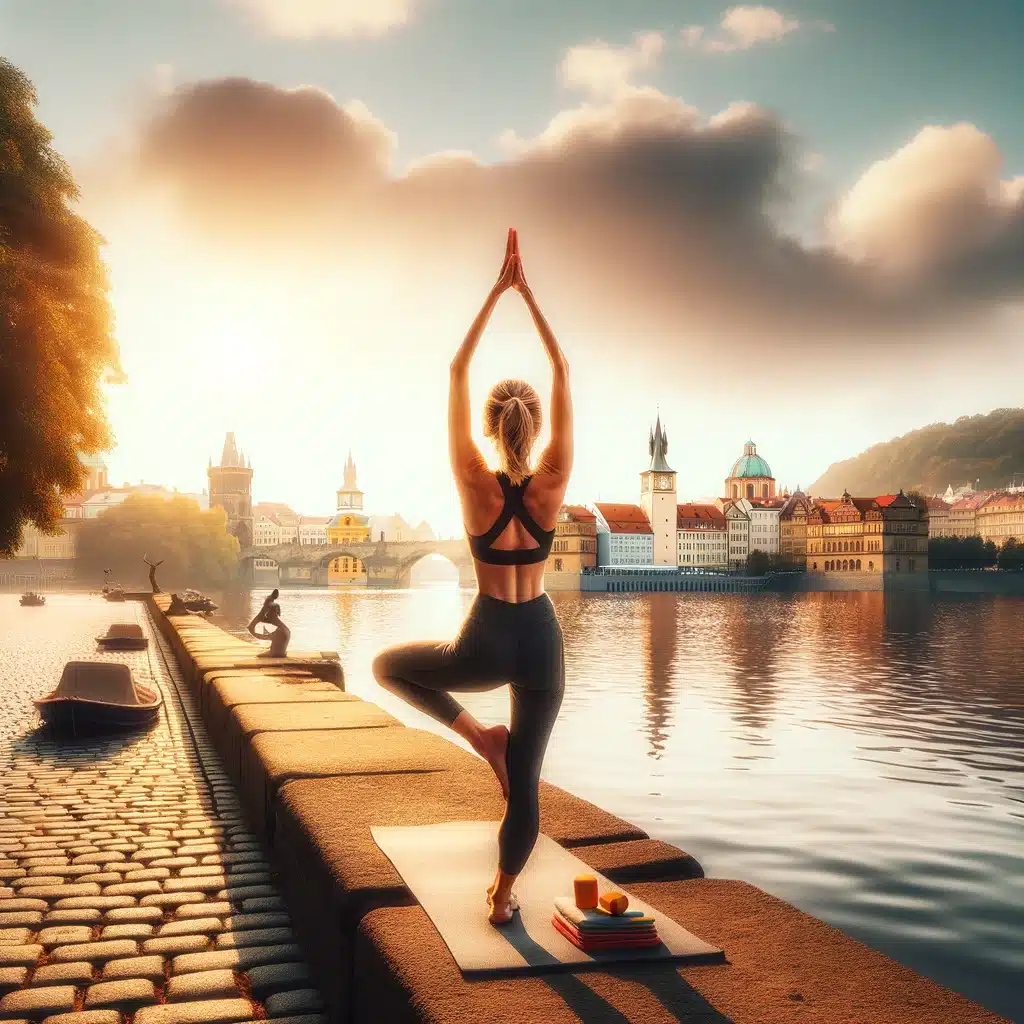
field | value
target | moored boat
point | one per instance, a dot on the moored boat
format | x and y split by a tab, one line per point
32	599
115	594
123	636
95	696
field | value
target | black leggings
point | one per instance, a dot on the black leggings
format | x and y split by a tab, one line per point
519	644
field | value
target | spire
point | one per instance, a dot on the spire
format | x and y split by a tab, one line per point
229	457
658	447
350	473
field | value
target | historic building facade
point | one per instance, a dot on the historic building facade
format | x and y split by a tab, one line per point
793	528
349	497
231	490
658	498
938	518
737	518
887	534
750	477
624	535
575	545
1000	518
702	536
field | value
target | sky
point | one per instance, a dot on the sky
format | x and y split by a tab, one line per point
801	224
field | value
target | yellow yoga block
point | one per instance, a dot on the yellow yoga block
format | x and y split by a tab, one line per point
585	891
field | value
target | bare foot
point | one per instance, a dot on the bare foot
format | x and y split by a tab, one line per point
502	914
494	747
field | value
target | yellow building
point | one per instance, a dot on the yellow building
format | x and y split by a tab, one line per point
1000	518
793	527
347	528
888	534
575	544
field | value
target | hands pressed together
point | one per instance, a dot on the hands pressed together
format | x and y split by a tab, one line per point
511	275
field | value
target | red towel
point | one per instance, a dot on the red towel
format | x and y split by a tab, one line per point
644	930
588	944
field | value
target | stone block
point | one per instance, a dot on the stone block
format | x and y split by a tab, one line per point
86	1017
37	1002
151	967
302	1000
224	693
641	860
272	758
202	985
124	995
782	965
76	973
235	959
213	1011
264	981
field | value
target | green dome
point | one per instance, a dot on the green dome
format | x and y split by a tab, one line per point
750	464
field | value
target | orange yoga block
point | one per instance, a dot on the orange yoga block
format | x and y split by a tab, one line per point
615	902
585	891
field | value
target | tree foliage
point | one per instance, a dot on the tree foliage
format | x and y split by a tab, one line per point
56	341
195	546
961	553
758	563
987	449
1011	556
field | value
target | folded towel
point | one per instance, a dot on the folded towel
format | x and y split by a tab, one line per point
646	933
588	944
599	919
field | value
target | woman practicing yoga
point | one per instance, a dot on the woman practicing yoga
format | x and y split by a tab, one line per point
511	634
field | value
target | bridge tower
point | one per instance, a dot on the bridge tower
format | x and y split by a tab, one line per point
231	490
350	498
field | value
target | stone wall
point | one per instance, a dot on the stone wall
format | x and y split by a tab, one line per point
316	768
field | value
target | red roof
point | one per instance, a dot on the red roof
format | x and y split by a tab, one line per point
938	504
885	500
699	517
624	518
580	514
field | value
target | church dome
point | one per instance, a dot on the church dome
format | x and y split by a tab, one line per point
750	465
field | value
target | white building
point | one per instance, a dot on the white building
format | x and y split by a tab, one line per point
313	530
764	526
737	517
702	536
624	535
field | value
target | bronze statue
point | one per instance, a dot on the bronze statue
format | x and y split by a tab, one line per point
152	573
271	614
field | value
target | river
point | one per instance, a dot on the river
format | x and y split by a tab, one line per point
858	755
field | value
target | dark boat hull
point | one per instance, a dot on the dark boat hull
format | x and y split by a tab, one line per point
85	716
123	643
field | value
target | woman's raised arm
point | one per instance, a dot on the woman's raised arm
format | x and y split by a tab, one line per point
557	456
465	456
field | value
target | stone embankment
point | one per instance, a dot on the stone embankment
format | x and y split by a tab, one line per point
316	768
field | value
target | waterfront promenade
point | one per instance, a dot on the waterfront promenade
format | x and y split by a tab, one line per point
314	769
129	880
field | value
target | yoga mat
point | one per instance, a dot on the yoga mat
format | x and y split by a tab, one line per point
448	868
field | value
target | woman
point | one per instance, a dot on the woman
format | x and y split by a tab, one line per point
511	634
271	614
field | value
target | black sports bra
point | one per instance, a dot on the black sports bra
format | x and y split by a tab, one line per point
480	545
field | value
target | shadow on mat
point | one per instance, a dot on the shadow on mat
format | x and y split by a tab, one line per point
680	999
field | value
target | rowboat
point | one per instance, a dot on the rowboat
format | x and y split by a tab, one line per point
123	636
32	600
95	696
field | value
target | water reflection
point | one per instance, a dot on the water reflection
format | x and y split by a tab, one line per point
861	755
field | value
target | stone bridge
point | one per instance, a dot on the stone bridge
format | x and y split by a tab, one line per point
387	564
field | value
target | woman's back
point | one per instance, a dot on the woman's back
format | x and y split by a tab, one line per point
486	501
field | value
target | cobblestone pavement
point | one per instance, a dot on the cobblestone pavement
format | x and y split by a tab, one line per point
131	890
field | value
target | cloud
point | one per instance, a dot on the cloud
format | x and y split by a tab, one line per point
640	218
742	28
606	70
309	19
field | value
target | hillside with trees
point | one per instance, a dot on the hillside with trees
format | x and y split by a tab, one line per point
987	448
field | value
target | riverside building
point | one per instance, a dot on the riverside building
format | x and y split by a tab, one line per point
624	535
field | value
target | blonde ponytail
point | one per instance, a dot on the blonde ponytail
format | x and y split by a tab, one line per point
512	417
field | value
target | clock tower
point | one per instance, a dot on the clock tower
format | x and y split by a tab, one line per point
658	497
